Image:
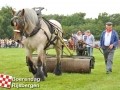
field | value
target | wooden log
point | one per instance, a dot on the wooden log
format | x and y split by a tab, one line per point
70	64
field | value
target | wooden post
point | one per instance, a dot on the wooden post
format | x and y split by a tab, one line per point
61	40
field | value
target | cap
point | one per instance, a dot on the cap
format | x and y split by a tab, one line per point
109	23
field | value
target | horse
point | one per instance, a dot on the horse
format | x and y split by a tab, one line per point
40	34
81	48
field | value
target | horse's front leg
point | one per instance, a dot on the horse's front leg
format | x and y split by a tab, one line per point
57	69
29	62
40	66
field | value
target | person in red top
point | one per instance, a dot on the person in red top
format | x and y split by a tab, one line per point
71	43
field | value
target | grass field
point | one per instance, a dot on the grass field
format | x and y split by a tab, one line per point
12	62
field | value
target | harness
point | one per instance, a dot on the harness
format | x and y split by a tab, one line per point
51	40
51	28
54	30
35	30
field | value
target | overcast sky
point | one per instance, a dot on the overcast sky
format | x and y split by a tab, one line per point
66	7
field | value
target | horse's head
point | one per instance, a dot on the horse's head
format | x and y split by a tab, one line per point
23	21
18	23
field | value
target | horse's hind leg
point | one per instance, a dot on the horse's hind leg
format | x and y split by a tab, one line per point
57	69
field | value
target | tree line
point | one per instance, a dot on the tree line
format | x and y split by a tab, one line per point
70	23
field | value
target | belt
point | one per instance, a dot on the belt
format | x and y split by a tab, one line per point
106	46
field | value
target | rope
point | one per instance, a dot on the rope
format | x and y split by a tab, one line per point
95	47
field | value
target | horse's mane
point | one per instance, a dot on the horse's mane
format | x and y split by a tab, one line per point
31	16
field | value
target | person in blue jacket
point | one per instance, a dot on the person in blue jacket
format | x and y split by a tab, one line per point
108	42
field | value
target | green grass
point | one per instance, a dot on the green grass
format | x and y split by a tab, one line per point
12	62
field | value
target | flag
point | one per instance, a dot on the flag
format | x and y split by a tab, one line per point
5	81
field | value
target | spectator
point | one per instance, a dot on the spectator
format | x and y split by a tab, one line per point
79	36
85	36
89	40
71	43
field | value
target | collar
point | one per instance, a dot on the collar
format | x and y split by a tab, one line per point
35	30
108	30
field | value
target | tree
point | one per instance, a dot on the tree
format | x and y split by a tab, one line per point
115	18
70	23
5	18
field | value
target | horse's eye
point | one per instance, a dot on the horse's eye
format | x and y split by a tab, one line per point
15	23
12	24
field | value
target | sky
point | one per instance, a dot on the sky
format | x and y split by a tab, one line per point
92	8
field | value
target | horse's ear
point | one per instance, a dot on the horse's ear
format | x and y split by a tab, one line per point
22	12
13	11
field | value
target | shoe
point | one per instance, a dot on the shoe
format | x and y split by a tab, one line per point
108	72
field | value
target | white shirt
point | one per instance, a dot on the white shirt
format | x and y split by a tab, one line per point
90	40
79	37
107	38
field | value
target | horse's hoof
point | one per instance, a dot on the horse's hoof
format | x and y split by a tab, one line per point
57	72
41	79
46	75
40	74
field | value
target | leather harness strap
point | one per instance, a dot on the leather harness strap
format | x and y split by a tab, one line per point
50	26
35	30
51	29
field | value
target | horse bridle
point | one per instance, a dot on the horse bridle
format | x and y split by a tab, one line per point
20	22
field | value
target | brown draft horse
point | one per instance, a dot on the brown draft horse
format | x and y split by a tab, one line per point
38	35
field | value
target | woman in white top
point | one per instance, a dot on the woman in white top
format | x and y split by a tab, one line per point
79	35
89	40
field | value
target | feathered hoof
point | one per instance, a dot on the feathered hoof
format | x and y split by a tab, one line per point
57	70
40	74
38	77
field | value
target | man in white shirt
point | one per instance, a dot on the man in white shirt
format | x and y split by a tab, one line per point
108	42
